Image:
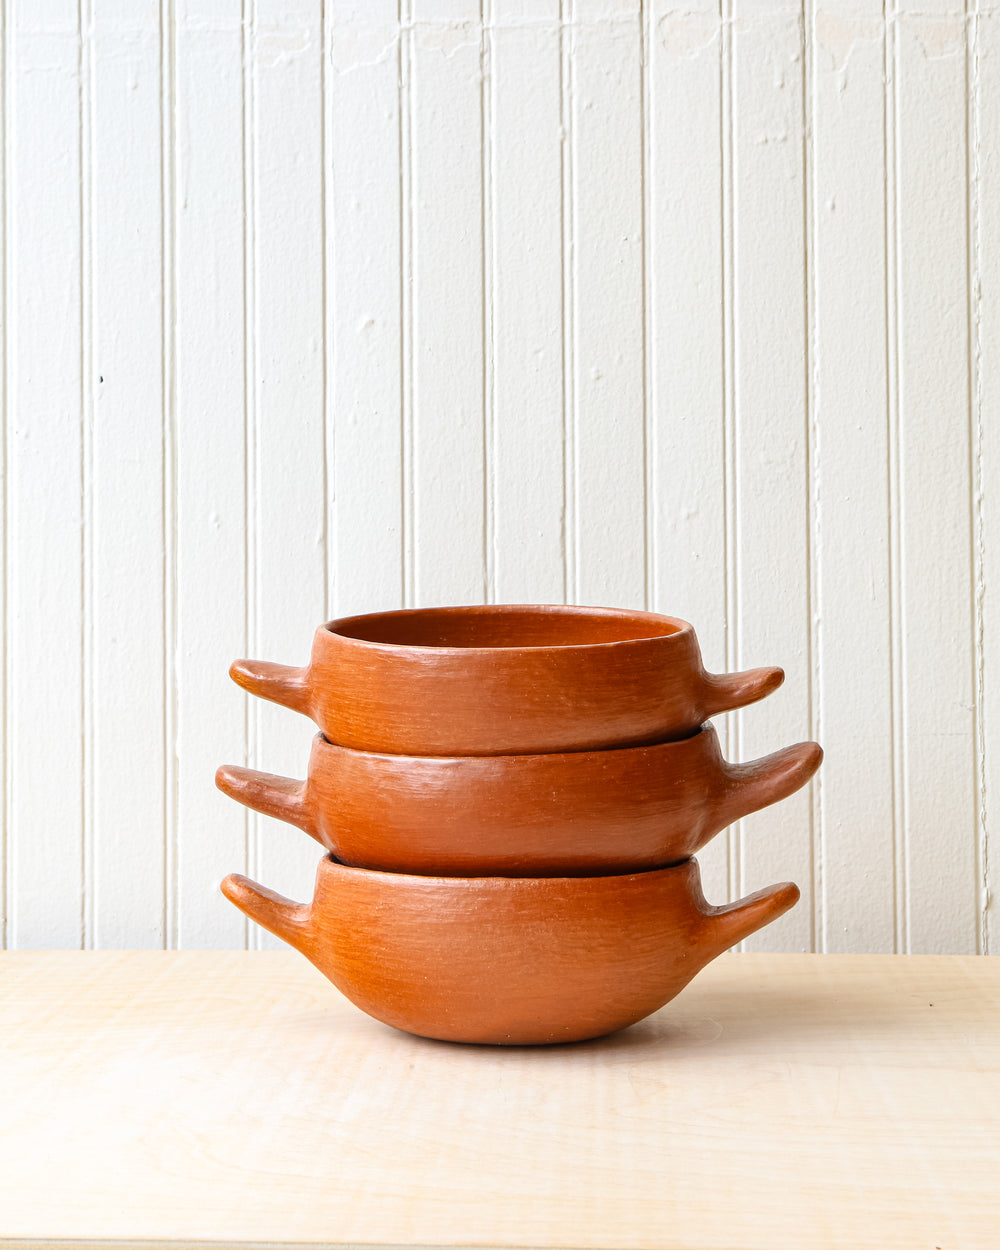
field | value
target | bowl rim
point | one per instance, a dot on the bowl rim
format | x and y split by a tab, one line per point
706	733
678	628
591	881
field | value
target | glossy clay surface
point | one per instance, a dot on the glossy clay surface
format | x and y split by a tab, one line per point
503	680
509	960
529	815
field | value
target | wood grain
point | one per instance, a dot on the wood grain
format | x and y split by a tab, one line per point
236	1099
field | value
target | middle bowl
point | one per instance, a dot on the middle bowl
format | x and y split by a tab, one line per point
578	813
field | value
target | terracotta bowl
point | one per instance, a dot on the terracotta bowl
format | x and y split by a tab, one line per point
572	813
508	960
503	680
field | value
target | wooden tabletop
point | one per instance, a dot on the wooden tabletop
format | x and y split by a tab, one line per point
236	1099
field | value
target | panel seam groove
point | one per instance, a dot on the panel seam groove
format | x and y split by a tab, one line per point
648	461
5	432
729	417
892	251
408	476
487	237
168	219
327	237
813	511
570	439
976	438
88	320
251	719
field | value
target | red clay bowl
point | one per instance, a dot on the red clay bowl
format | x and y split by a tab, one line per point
506	679
571	814
508	960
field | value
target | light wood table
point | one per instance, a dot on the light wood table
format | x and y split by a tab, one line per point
235	1099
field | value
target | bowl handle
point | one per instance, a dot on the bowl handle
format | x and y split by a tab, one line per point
280	797
272	911
733	922
759	783
277	682
724	692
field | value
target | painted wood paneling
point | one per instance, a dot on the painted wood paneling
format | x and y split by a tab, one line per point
526	552
686	202
324	307
5	707
448	448
47	528
985	316
286	466
933	478
608	419
129	443
856	870
364	307
769	604
210	563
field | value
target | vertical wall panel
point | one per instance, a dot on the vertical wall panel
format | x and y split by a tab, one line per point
527	454
44	465
934	504
608	439
685	290
211	464
128	478
986	403
852	516
771	453
287	485
5	708
364	294
448	368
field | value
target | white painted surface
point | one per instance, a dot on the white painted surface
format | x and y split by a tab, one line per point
312	308
208	575
47	527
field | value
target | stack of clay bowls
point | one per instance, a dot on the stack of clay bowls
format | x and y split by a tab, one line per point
511	798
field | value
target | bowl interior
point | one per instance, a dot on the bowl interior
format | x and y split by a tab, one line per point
505	626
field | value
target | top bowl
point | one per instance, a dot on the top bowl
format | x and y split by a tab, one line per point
503	680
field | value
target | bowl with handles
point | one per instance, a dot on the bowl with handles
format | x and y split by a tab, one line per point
504	679
508	960
557	814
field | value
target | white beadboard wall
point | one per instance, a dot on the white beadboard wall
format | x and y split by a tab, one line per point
317	308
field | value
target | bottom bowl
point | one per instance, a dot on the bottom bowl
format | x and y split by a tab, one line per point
508	960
